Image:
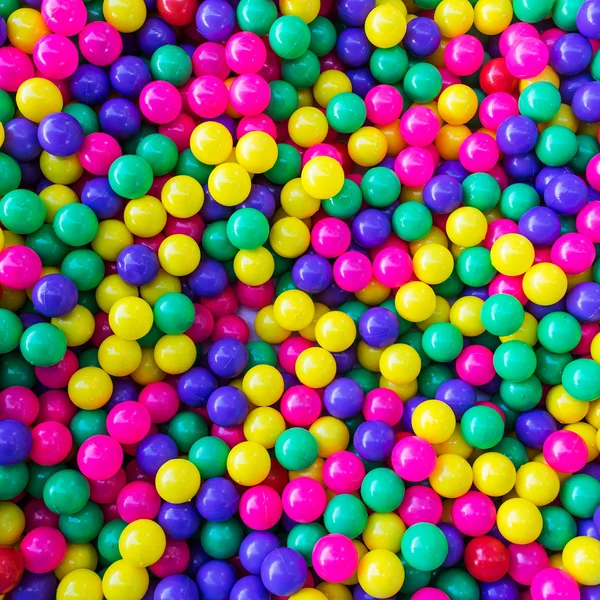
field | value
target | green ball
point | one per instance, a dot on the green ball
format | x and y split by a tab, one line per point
382	490
75	224
522	395
66	492
532	11
365	379
38	475
283	102
43	345
414	579
424	546
260	353
86	424
221	540
288	165
215	242
84	267
7	106
450	288
85	115
442	342
346	112
322	36
186	428
355	309
587	146
515	361
171	63
88	300
22	211
422	83
567	224
474	267
108	541
458	585
256	16
10	177
389	65
285	283
209	455
129	176
581	379
345	514
303	538
550	366
556	146
301	72
15	370
380	187
45	243
247	229
481	191
431	377
412	221
289	37
188	164
482	427
174	313
89	358
514	450
580	495
159	151
414	339
83	526
540	101
564	14
13	480
502	314
559	332
558	528
296	449
346	203
517	199
11	329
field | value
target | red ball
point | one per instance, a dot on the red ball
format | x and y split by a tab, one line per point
495	77
177	12
11	569
486	559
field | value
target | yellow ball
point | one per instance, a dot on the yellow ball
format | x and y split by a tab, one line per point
263	385
452	476
55	197
112	238
466	315
454	17
383	531
373	294
177	481
175	354
322	177
248	463
307	10
526	333
415	301
433	421
162	284
545	284
119	357
563	407
315	367
80	584
315	471
179	254
267	328
589	435
335	591
492	17
385	26
264	425
125	16
142	543
78	556
519	521
581	558
308	126
308	332
60	169
211	143
380	573
494	474
182	196
12	523
77	325
433	264
25	27
122	581
369	357
466	226
330	84
289	237
296	201
593	414
90	388
254	267
538	483
450	139
293	310
400	363
256	152
455	444
335	331
457	104
130	318
148	371
367	146
512	254
331	434
229	184
145	216
308	594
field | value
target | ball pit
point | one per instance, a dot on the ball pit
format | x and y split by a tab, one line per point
300	299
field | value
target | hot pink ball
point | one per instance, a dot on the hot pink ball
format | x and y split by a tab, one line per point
497	107
173	561
565	451
473	514
448	78
554	584
420	505
588	221
58	376
37	514
107	491
20	267
202	326
55	405
52	442
55	56
392	267
138	500
464	55
475	365
479	153
179	130
384	405
430	593
260	122
260	507
573	253
160	102
588	332
19	403
208	96
209	59
352	271
161	400
300	406
592	172
413	458
98	152
497	229
508	284
414	166
321	150
419	126
384	104
527	58
335	558
330	237
290	350
100	43
249	94
304	500
515	32
15	68
100	457
255	297
550	36
232	436
526	561
343	472
43	549
67	17
245	52
128	422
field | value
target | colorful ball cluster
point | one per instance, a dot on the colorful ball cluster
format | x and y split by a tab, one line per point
300	299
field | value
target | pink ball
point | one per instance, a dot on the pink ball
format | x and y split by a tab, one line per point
343	472
588	332
37	514
160	102
420	505
208	96
550	36
419	126
414	167
260	122
479	153
565	451
508	284
392	267
100	457
526	561
497	229
173	561
19	403
255	297
515	32
179	130
128	422
300	406
475	365
321	150
161	400
527	57
55	56
245	52
499	174
249	94
58	376
100	43
588	221
430	593
352	271
138	500
209	59
55	405
20	267
106	491
592	172
335	558
330	237
202	326
43	549
290	350
67	17
98	152
232	436
573	253
497	107
260	507
304	500
473	514
413	458
554	584
464	55
52	442
384	104
271	70
15	68
384	405
448	78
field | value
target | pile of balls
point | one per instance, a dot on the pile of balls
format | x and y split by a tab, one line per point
300	299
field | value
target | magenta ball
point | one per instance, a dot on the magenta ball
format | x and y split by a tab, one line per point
473	514
413	458
260	507
100	457
565	451
343	472
335	558
128	422
304	500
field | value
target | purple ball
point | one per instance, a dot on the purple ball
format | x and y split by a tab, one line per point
587	592
442	194
477	292
249	588
212	211
255	547
546	175
15	442
209	279
120	118
597	515
503	589
262	199
89	85
409	408
312	273
334	295
155	34
522	168
154	451
129	75
540	225
569	85
216	579
227	406
362	81
586	102
452	168
378	327
371	228
21	141
3	30
217	500
137	265
422	37
592	469
195	387
179	521
374	440
583	301
588	20
566	194
197	558
100	197
458	395
570	54
587	528
343	398
516	135
176	587
34	586
539	312
456	544
345	361
353	47
54	295
354	12
534	426
215	20
123	391
283	571
60	134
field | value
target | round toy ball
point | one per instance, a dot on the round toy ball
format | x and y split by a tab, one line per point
283	571
335	558
43	549
565	451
